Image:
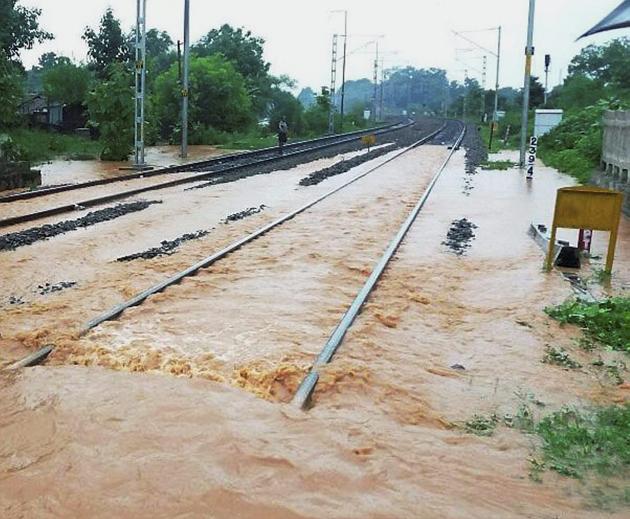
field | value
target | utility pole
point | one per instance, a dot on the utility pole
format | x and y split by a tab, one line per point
333	86
140	80
547	63
382	90
497	54
495	112
465	94
185	79
483	89
343	67
529	52
375	95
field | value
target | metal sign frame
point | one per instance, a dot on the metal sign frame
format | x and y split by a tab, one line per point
586	207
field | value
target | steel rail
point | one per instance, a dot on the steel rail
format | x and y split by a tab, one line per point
206	262
14	220
306	388
33	359
186	167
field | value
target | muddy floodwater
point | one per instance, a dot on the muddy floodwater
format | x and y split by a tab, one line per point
58	172
181	406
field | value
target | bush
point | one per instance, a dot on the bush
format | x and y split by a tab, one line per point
111	111
607	321
575	145
40	146
218	98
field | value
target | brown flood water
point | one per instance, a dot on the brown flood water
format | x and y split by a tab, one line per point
379	442
73	171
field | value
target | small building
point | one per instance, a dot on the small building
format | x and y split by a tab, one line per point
41	112
546	120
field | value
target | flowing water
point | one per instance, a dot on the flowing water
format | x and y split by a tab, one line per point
443	337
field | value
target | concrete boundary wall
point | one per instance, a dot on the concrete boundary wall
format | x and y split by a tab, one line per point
616	145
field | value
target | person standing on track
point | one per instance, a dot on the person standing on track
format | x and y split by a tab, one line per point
283	133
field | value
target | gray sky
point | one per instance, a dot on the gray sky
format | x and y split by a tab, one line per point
298	33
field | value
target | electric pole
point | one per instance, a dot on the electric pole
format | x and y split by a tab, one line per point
495	112
343	67
484	68
497	54
375	95
529	52
464	113
185	79
140	81
333	86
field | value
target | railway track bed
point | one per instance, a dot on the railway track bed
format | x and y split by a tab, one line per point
246	373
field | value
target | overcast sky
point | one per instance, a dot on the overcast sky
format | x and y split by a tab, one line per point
298	33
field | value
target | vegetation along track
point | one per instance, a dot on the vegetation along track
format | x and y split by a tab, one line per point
206	262
203	170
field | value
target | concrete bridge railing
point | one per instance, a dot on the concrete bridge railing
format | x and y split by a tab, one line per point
616	145
616	154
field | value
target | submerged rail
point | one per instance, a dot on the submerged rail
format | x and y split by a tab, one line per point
7	222
307	387
206	262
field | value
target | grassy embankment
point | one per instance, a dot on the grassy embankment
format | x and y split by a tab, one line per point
39	146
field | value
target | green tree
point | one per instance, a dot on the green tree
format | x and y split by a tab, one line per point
110	106
19	29
536	92
108	45
245	52
218	98
608	63
577	92
284	104
11	89
67	83
239	46
49	60
316	116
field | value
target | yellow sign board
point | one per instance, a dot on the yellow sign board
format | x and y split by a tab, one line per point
586	207
369	140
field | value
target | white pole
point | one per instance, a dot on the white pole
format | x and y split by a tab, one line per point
140	82
185	84
529	52
343	67
495	117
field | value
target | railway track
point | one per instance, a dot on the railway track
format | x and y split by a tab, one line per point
204	165
307	387
119	309
203	170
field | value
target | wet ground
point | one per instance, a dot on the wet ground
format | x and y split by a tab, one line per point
444	336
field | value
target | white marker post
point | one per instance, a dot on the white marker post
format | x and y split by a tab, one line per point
531	157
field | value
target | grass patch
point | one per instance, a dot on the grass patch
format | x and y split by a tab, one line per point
481	425
523	420
40	146
576	443
249	142
569	161
607	321
559	357
501	165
